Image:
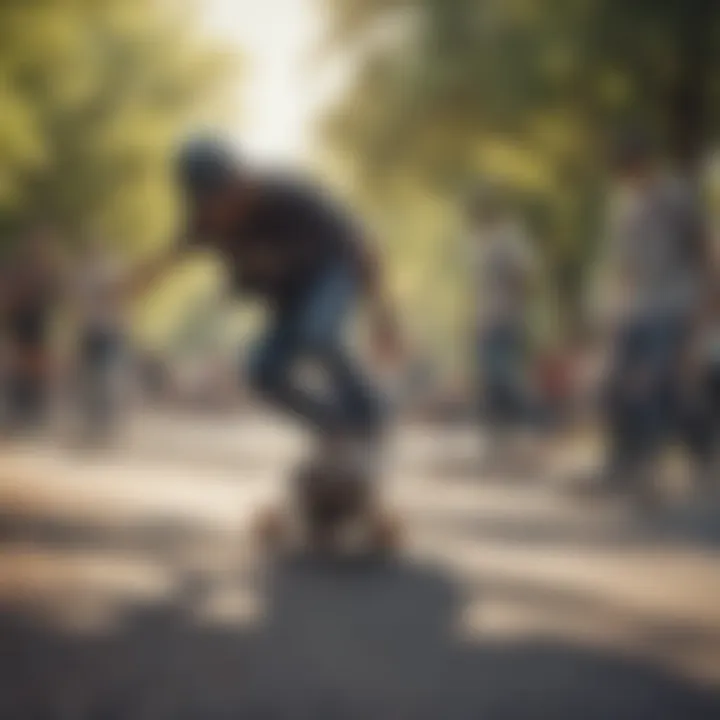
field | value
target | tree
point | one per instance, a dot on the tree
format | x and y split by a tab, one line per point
94	93
525	92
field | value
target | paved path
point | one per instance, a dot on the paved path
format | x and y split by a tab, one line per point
129	588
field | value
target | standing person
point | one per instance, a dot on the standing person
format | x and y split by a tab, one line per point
504	267
29	295
290	246
712	375
658	253
700	419
5	376
97	295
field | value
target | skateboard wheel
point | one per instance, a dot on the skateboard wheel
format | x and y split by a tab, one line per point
385	533
270	529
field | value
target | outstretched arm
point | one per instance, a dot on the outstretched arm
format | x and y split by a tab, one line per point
151	271
385	326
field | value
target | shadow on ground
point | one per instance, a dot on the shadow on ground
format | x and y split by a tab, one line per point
339	642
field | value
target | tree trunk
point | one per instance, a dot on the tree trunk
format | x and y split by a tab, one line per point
688	102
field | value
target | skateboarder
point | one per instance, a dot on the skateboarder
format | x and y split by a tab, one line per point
289	245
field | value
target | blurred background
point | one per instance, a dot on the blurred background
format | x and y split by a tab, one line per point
554	458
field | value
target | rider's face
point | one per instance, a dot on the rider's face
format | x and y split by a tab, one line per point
215	213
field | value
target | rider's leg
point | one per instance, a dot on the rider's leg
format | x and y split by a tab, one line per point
340	474
271	374
313	330
321	330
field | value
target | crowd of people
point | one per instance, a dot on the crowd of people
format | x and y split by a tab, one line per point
280	240
655	318
311	263
39	285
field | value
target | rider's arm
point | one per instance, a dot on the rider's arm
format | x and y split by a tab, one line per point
376	291
141	278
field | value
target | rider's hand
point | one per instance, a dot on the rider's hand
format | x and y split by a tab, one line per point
387	343
185	241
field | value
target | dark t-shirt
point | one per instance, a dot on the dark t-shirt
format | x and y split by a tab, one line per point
27	315
291	234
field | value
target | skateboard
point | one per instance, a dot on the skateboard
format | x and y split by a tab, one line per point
335	508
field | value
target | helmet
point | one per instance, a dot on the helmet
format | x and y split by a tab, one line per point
204	165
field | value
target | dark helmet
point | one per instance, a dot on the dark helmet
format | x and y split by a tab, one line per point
204	165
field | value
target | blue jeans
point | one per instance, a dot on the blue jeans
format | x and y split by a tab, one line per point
645	398
101	352
312	330
502	374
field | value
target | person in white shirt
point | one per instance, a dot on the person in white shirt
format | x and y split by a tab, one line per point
504	267
657	254
98	292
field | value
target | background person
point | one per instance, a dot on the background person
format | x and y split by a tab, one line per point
29	299
504	268
658	256
98	296
290	246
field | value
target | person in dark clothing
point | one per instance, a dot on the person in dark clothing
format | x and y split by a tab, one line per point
97	295
28	300
288	244
701	412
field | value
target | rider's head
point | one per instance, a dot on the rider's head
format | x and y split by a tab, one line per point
209	174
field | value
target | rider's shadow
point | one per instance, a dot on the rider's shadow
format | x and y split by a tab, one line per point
381	642
358	641
384	642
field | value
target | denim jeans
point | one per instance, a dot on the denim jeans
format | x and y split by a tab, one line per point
101	354
502	374
312	330
645	404
26	401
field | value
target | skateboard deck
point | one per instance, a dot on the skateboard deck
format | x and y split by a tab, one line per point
334	509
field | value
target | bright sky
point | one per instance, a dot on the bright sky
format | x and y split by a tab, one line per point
282	89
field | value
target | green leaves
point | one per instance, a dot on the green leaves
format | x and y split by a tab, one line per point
94	93
525	92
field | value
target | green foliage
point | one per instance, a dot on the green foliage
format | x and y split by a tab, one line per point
94	93
525	92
